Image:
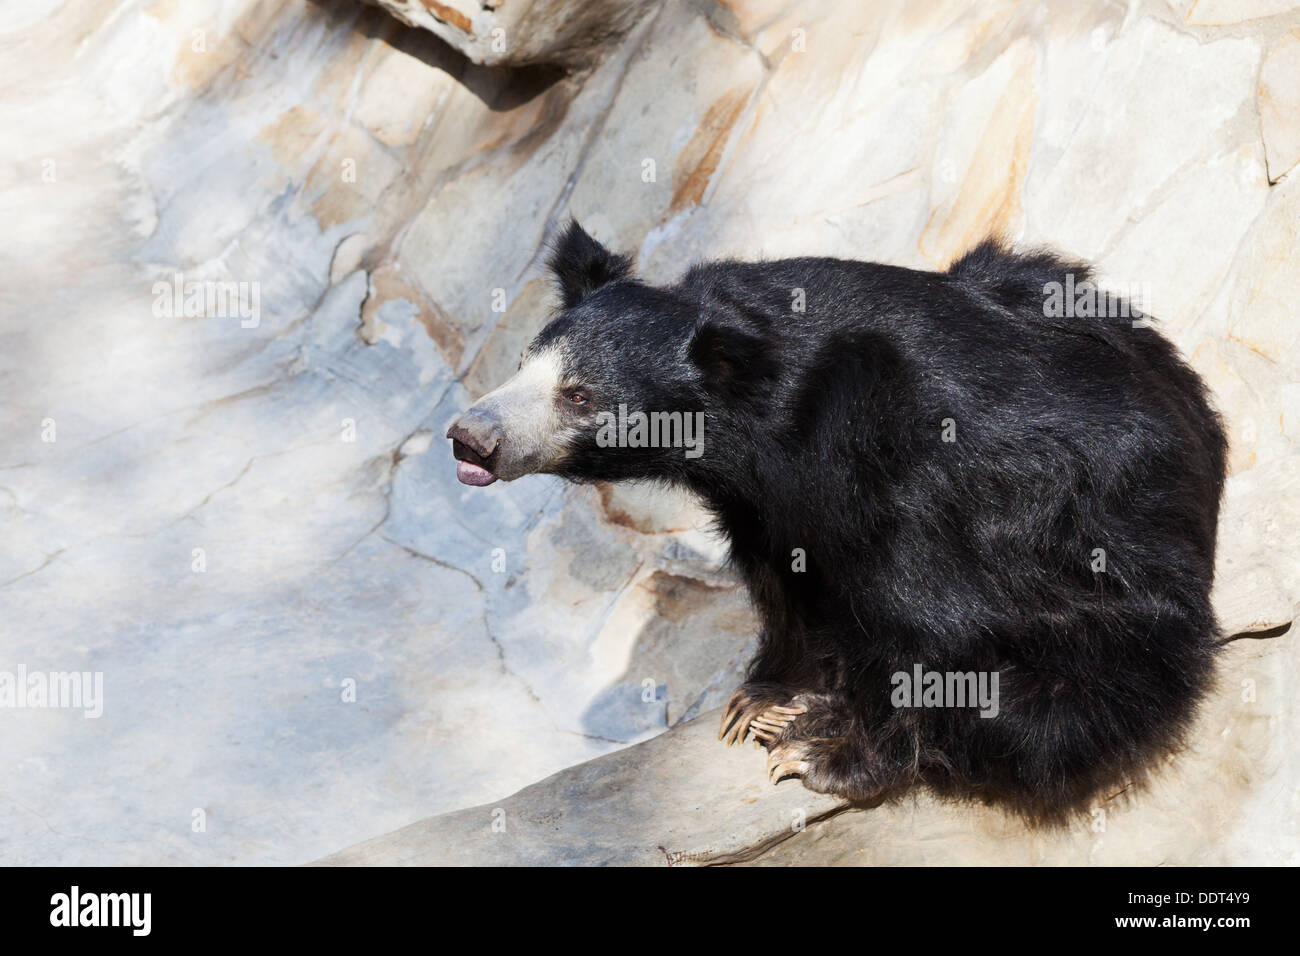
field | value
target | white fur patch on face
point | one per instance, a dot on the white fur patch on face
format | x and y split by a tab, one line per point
533	436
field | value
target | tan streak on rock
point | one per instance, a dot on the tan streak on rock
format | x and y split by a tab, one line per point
989	201
626	509
196	69
292	135
448	15
1266	350
387	283
699	160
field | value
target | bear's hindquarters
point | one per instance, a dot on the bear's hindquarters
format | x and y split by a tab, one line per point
1076	727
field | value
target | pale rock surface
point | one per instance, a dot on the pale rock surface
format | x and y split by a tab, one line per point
309	633
1279	105
1226	12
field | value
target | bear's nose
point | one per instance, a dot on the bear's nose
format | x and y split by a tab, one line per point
479	431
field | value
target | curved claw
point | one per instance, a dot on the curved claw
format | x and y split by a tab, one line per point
739	729
722	728
732	713
794	710
787	768
775	719
739	719
735	724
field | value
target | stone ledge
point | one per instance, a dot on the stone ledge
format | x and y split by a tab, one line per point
682	797
685	799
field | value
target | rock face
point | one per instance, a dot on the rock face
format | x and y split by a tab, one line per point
524	32
240	512
1279	105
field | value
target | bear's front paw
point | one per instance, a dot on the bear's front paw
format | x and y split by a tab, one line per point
811	758
765	712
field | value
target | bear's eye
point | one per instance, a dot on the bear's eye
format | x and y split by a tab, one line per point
577	396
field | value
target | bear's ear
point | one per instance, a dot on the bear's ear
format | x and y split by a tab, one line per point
731	358
582	265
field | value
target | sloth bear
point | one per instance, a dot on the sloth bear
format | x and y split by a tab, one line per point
929	482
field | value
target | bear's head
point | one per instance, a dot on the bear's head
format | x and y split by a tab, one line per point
618	385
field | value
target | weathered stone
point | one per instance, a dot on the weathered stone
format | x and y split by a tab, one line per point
682	798
1223	195
1224	12
982	165
1145	82
1279	105
661	146
522	32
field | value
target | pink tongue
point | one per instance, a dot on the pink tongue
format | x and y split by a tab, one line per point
470	474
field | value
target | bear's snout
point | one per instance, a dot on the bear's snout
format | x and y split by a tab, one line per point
480	433
475	438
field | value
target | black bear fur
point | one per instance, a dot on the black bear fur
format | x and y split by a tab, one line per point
825	437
